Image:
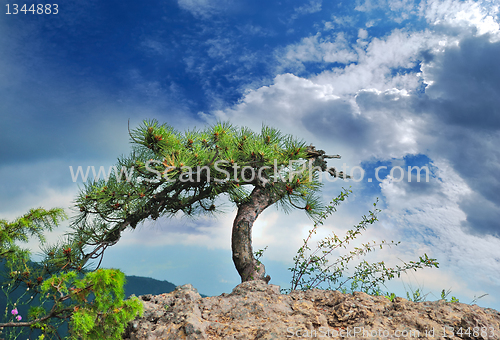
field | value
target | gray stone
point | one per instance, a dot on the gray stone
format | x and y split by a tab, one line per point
256	310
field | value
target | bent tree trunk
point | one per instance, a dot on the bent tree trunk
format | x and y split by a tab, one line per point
241	241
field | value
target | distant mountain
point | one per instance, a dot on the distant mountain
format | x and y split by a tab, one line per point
139	285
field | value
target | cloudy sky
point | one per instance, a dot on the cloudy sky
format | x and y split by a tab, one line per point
393	83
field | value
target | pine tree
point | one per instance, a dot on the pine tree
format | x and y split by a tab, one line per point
169	172
55	293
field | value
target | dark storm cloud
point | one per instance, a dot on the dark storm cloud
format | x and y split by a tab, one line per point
474	155
335	118
459	120
464	99
466	88
483	216
456	118
387	102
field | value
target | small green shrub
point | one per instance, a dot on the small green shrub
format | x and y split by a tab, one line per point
312	270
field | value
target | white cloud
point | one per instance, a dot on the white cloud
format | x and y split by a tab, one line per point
219	48
256	30
329	104
397	10
335	49
205	8
362	34
211	232
479	15
368	5
341	21
436	220
399	50
35	184
312	7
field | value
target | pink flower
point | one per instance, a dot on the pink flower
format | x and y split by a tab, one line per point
18	318
14	311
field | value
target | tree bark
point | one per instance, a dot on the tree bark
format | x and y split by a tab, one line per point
241	242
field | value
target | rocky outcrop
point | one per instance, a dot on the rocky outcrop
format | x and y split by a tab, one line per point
256	310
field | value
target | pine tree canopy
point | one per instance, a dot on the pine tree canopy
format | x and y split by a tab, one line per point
168	172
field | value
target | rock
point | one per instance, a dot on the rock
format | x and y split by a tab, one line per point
256	310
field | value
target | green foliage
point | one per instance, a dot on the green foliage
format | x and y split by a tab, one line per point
106	316
93	304
20	274
312	270
170	172
391	296
444	294
258	254
32	224
416	296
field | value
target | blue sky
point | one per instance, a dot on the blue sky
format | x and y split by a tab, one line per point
381	82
